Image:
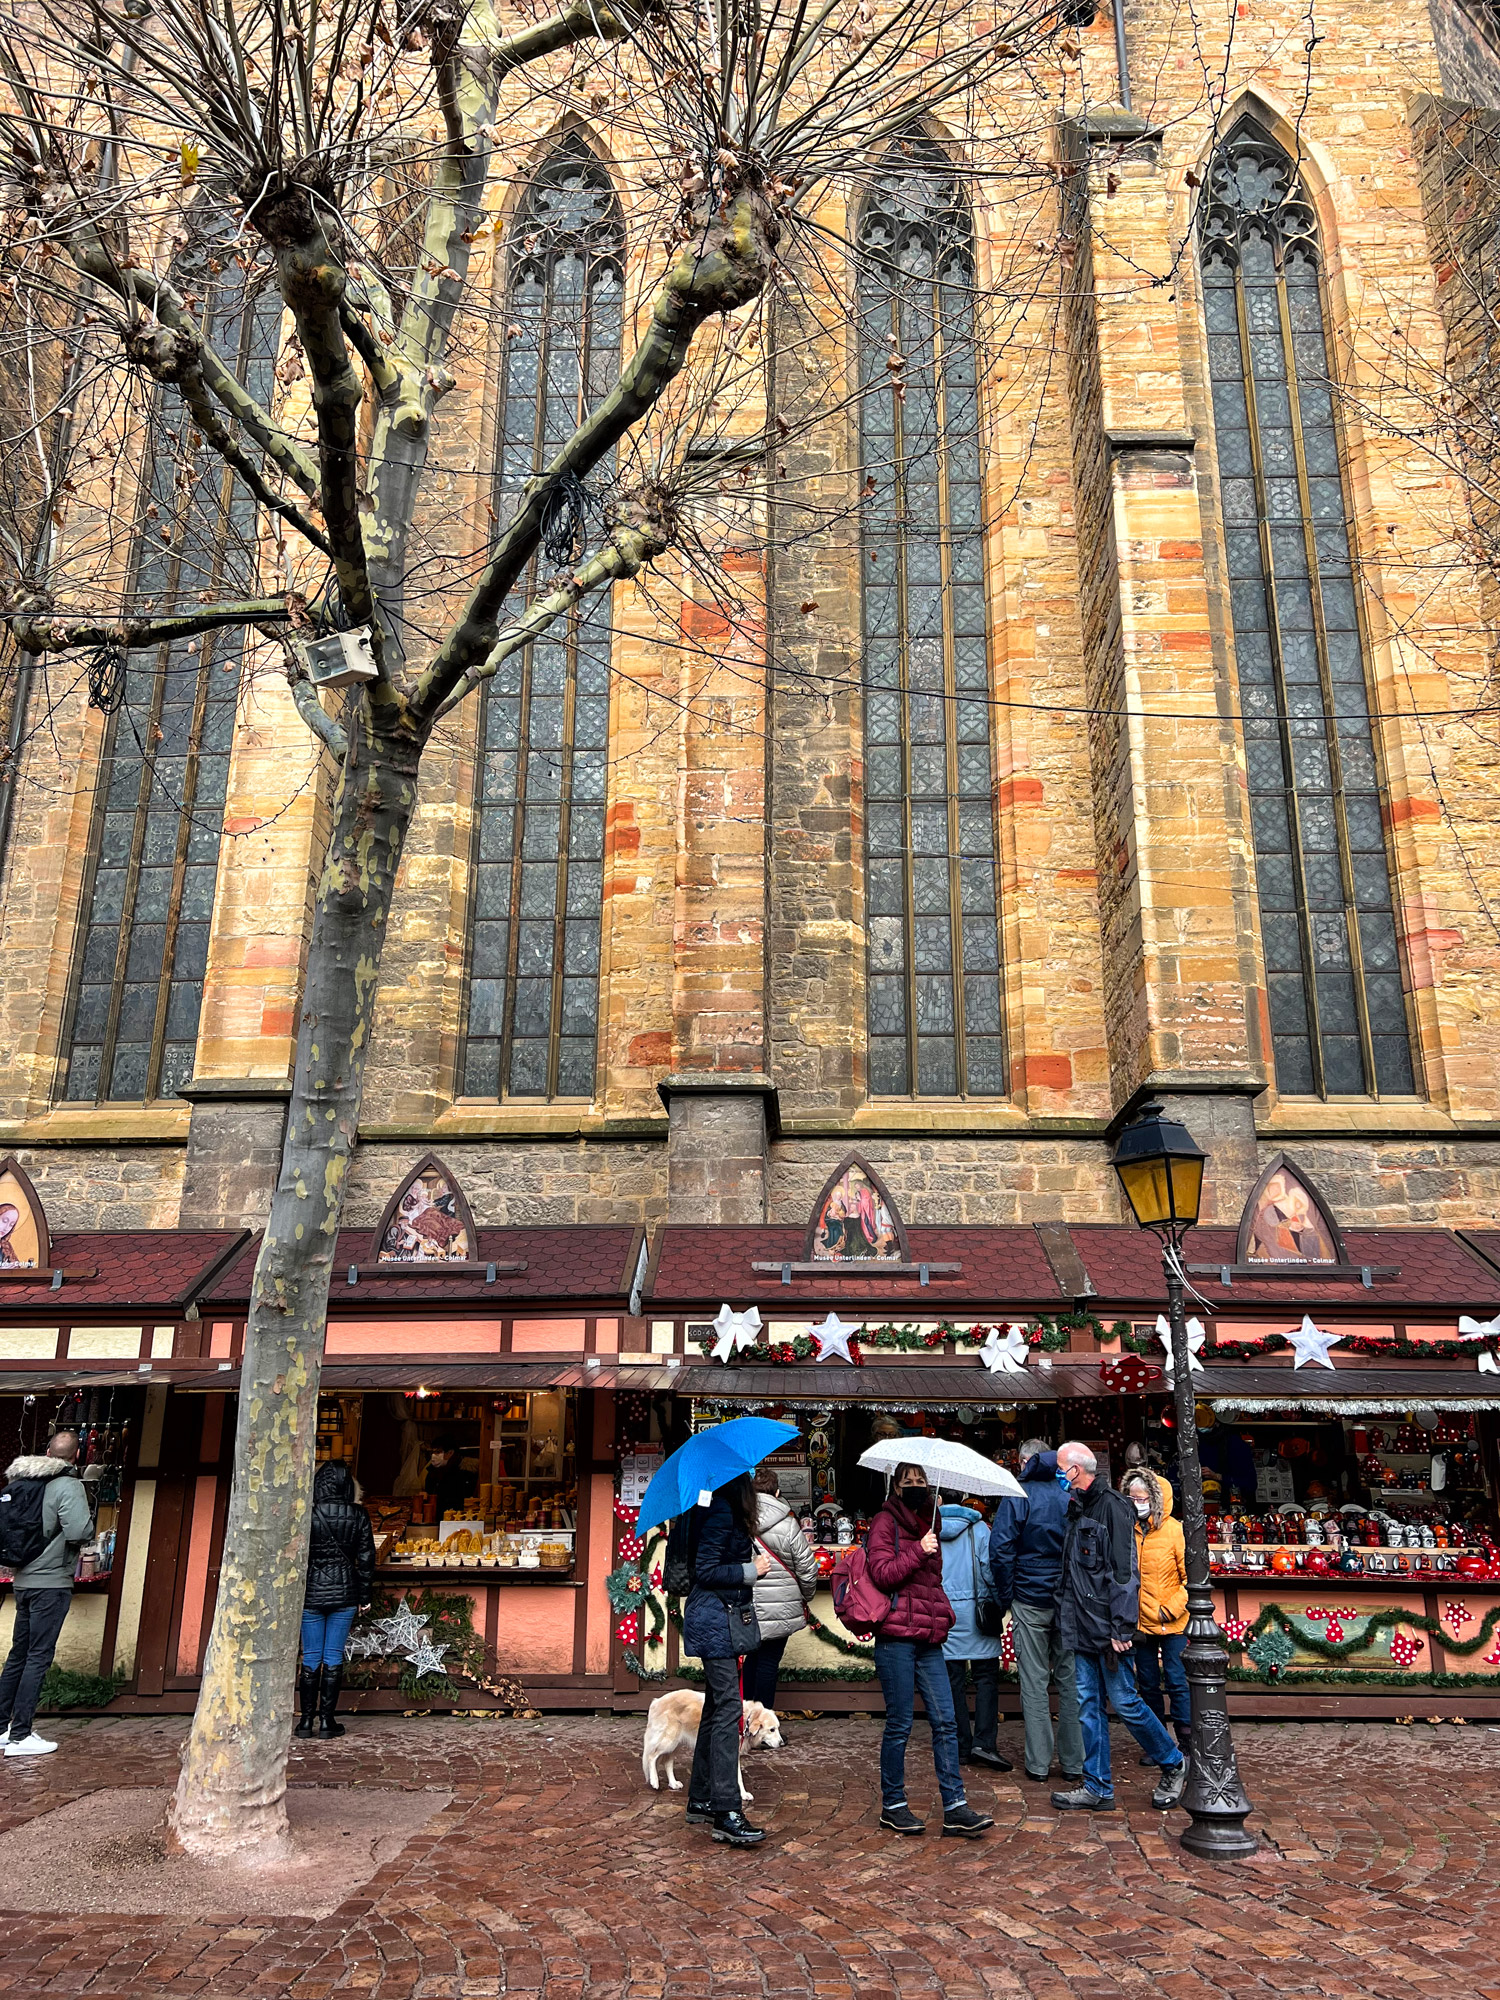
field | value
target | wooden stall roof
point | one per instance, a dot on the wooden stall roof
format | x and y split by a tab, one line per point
696	1267
568	1264
137	1270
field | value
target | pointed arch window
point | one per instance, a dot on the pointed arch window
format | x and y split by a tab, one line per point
533	992
154	855
934	946
1333	967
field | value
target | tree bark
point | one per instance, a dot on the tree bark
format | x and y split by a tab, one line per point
230	1798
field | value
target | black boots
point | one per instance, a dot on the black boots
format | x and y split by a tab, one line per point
328	1701
307	1694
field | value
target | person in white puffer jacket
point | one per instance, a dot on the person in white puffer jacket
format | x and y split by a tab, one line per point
781	1593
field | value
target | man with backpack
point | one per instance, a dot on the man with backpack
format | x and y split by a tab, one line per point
44	1516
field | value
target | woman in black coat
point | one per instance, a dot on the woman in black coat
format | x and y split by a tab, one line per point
340	1578
718	1624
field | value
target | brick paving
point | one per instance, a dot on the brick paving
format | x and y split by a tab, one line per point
555	1874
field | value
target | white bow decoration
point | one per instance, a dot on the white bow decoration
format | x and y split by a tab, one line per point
1195	1339
1488	1365
735	1330
1478	1329
1007	1356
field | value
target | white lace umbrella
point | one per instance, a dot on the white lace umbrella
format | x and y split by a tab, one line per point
955	1467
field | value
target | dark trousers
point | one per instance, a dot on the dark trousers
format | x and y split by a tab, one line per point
716	1756
761	1670
33	1641
1158	1658
986	1703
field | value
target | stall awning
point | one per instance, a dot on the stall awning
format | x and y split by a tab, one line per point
398	1373
911	1387
1348	1391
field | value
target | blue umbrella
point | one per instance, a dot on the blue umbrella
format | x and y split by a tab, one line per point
707	1462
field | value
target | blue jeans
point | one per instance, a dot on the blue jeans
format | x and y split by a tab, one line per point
325	1635
904	1666
1158	1658
1111	1676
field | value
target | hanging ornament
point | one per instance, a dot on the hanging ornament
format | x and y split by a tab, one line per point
1405	1647
1127	1375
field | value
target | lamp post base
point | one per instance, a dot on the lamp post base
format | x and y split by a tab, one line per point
1213	1797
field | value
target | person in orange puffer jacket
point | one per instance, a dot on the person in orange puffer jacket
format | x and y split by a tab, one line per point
1162	1619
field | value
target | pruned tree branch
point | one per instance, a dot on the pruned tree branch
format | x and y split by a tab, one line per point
36	633
328	730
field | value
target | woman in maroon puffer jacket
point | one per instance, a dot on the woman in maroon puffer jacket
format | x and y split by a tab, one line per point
903	1558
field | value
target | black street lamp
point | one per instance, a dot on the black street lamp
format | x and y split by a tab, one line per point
1161	1170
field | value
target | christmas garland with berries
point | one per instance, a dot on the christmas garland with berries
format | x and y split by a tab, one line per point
1149	1342
633	1589
1050	1335
1276	1637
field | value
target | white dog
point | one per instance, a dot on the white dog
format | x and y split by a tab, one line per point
672	1731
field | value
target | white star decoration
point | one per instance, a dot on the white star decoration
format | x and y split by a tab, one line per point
1195	1339
833	1338
1007	1356
402	1630
735	1330
1310	1343
426	1658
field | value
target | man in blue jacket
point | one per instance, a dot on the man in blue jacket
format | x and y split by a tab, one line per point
1026	1545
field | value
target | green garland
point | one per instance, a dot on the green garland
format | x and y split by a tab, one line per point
1051	1335
450	1623
629	1588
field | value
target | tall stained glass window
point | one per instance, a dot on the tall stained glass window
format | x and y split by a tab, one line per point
533	1001
934	947
134	1028
1338	1015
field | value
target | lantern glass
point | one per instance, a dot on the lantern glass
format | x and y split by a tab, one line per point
1161	1170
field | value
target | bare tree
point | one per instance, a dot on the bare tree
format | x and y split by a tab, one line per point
175	146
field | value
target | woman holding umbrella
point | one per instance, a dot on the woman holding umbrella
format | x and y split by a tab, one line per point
706	1487
903	1558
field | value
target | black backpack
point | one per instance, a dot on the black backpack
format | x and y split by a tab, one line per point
22	1534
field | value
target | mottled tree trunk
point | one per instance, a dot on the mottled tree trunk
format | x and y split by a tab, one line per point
230	1795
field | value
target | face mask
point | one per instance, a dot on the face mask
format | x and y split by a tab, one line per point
911	1494
1143	1507
1062	1479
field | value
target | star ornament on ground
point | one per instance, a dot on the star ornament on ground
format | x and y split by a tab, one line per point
1311	1343
832	1338
735	1331
1195	1339
1007	1356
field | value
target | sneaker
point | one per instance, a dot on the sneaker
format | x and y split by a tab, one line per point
30	1746
1083	1800
699	1815
734	1830
964	1822
992	1759
900	1819
1169	1791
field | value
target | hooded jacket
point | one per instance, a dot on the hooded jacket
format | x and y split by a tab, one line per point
723	1576
966	1578
1027	1535
792	1579
1161	1555
341	1546
65	1516
896	1563
1098	1596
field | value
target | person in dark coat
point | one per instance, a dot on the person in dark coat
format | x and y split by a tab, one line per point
903	1559
1098	1604
718	1625
446	1479
1026	1545
340	1579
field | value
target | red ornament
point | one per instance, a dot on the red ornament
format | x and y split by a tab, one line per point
1007	1646
1405	1647
1234	1629
1317	1613
1127	1375
1458	1615
656	1577
1335	1632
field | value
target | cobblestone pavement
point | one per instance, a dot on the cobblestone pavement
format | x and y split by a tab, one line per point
556	1874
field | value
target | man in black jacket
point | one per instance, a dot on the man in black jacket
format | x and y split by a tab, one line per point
1098	1599
1026	1545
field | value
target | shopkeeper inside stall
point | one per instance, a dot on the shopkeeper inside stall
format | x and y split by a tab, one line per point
447	1481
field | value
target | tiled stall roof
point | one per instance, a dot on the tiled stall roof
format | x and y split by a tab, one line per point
568	1264
1000	1270
139	1270
1434	1271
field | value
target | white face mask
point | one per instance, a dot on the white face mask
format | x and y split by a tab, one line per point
1143	1507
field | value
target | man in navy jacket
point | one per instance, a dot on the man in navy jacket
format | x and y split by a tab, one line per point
1026	1545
